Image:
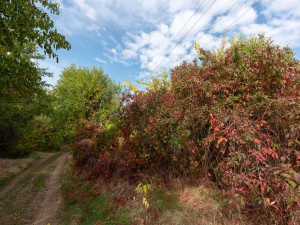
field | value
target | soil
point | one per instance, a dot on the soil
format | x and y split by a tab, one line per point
34	196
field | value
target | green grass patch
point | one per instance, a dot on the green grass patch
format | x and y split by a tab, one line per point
26	180
11	176
13	203
163	200
85	205
7	179
36	156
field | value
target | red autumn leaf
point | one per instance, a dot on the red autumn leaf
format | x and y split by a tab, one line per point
257	141
197	222
238	222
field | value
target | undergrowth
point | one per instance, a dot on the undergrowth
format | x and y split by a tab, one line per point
234	120
117	202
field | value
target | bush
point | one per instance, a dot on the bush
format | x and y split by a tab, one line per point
40	135
234	119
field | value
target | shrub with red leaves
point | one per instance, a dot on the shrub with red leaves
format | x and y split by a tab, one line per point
235	117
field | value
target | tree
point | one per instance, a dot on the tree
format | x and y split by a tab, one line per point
15	119
86	92
23	25
24	78
23	21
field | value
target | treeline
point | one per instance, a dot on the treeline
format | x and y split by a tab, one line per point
33	115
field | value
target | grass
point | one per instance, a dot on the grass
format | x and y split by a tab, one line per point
103	203
11	176
36	156
25	180
18	199
83	204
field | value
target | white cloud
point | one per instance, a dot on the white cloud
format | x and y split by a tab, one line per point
129	54
149	46
114	51
281	9
112	38
86	9
100	60
94	27
144	74
147	28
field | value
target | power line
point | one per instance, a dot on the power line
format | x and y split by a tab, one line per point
186	33
231	24
178	33
209	28
226	27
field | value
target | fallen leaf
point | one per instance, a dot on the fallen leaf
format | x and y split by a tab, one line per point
257	141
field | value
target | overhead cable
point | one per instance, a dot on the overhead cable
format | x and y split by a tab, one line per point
209	28
186	34
178	33
226	27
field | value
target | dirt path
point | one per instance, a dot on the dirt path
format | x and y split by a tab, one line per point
33	197
48	209
15	181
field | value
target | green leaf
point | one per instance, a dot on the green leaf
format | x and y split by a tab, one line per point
242	201
286	175
292	183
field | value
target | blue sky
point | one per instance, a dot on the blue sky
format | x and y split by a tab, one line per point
127	38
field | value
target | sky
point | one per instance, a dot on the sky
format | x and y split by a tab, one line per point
134	39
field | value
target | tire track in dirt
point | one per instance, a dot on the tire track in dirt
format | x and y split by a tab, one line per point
16	180
32	197
51	197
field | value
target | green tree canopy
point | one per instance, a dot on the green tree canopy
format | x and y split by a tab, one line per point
20	75
86	92
23	21
23	26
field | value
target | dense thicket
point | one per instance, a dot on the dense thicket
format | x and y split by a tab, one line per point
234	119
25	105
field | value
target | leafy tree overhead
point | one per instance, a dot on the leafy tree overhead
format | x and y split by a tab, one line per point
86	92
24	21
23	25
24	78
